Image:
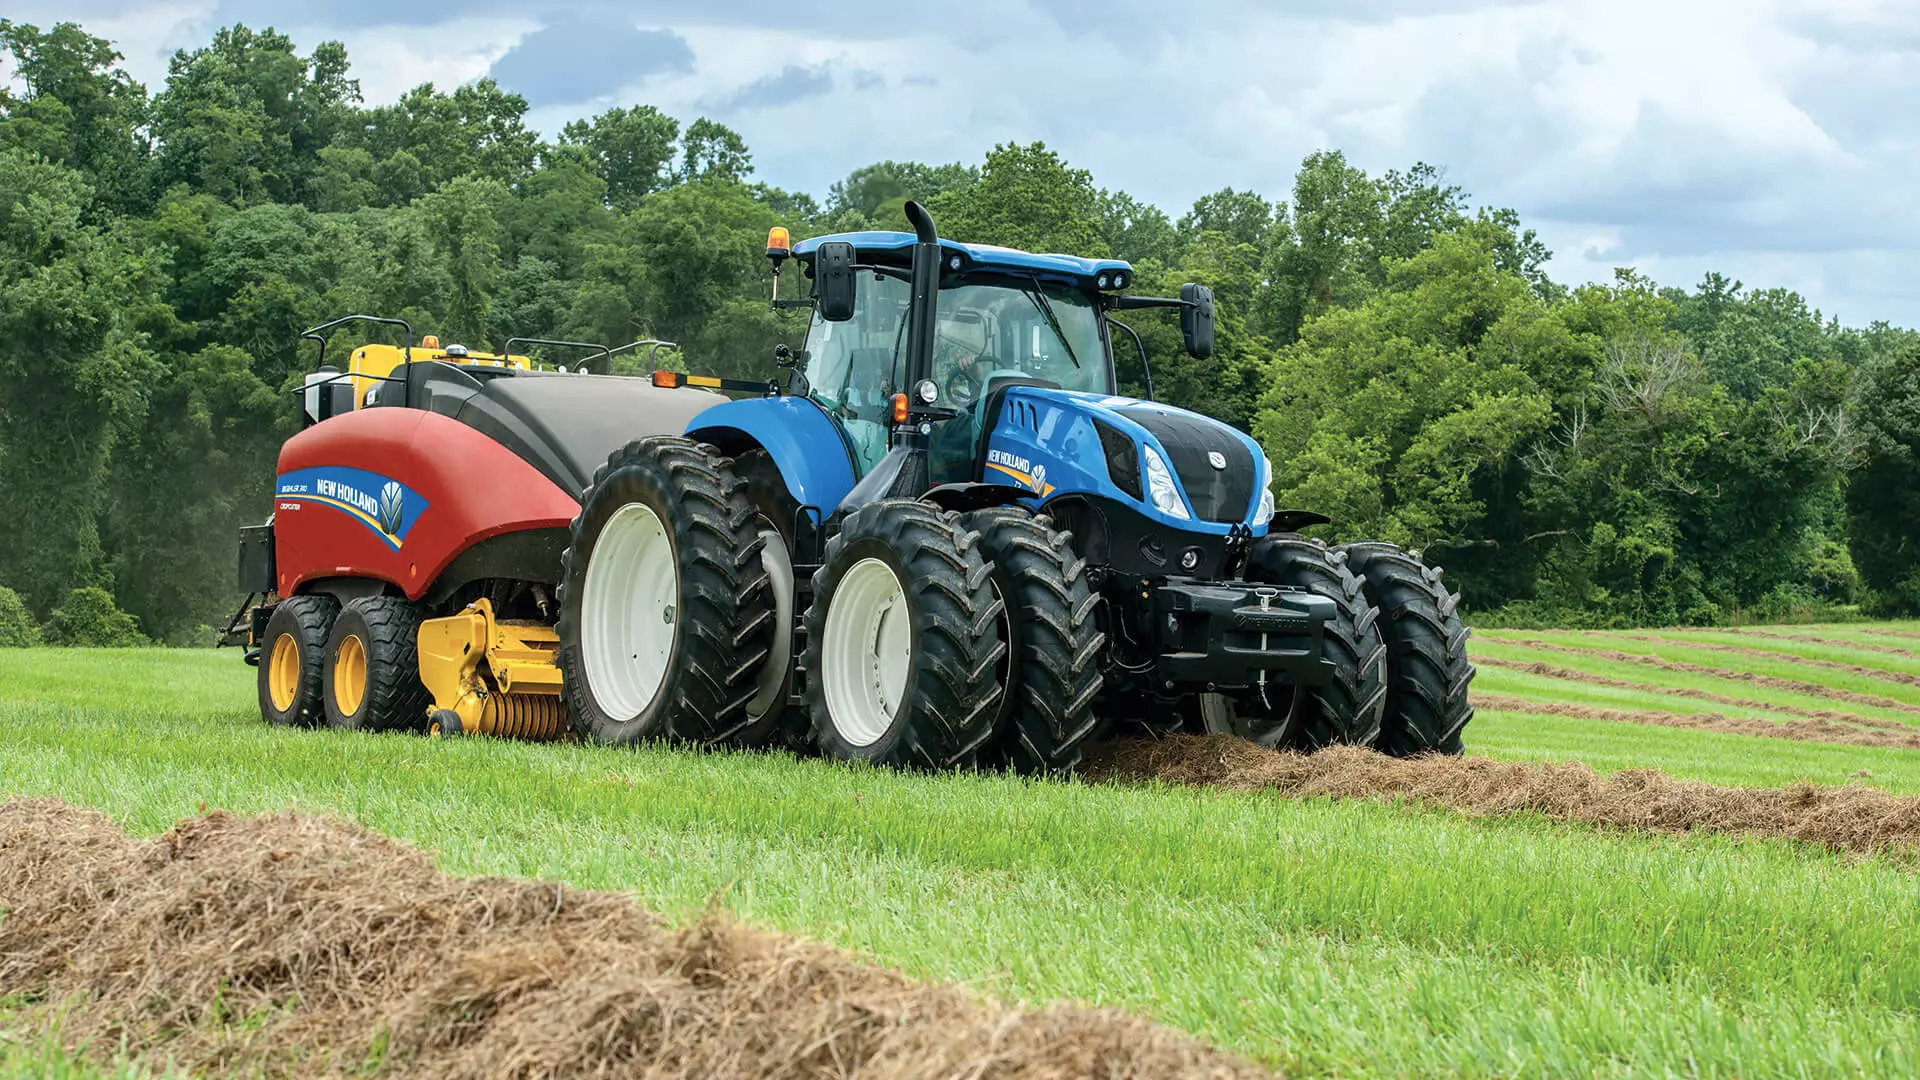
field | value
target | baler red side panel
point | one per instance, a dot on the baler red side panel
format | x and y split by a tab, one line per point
394	494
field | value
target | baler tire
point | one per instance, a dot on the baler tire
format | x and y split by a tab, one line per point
767	491
1428	706
721	607
1349	709
305	622
392	697
948	693
1053	640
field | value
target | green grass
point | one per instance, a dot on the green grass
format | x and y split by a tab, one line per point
1784	666
1735	760
1646	675
1328	938
1838	653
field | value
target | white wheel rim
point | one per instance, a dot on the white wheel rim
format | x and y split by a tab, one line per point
866	650
627	613
779	564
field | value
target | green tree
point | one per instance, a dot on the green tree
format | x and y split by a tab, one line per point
1243	217
88	617
1027	197
1884	499
630	150
1396	417
244	118
711	150
76	107
17	627
72	370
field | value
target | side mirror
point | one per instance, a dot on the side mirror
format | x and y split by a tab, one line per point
1196	319
833	281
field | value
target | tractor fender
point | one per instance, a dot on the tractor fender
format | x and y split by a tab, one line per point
801	439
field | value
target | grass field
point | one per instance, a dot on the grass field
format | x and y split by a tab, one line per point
1323	937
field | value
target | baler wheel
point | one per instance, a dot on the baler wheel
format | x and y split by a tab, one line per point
1053	640
1427	666
372	679
666	614
293	648
1347	710
903	637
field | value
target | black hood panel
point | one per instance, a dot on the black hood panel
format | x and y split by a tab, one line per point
1222	495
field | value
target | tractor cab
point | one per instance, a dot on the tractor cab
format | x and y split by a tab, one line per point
1003	318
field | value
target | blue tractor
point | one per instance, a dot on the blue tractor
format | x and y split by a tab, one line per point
945	540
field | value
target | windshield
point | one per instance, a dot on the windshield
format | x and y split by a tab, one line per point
987	328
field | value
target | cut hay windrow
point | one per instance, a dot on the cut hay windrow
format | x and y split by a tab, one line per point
1824	731
1901	677
295	945
1853	819
1887	631
1565	674
1804	639
1772	682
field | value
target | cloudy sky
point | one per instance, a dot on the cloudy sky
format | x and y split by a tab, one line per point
1772	140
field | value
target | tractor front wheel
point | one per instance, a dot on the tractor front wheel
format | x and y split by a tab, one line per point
1427	666
373	667
292	654
903	638
666	615
1346	710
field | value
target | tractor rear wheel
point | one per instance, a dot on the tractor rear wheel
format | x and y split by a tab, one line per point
292	655
1346	710
1052	668
903	637
1427	666
373	667
666	617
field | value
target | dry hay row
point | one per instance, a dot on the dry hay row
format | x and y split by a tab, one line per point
1553	671
293	945
1805	639
1882	674
1883	631
1824	731
1772	682
1853	819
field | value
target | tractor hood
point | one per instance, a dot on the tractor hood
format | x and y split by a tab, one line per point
1060	442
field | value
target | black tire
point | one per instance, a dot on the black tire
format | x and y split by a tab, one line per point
1427	666
389	695
1349	709
773	721
1051	673
946	709
722	613
305	622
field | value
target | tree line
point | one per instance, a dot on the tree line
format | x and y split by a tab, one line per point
1599	454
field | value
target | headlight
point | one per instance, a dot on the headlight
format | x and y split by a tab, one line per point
1265	513
1160	490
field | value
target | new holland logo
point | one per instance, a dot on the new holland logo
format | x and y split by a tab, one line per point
386	507
392	501
1216	459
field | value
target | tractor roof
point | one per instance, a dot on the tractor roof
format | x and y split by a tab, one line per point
979	256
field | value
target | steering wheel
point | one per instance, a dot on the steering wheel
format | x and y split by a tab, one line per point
962	387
